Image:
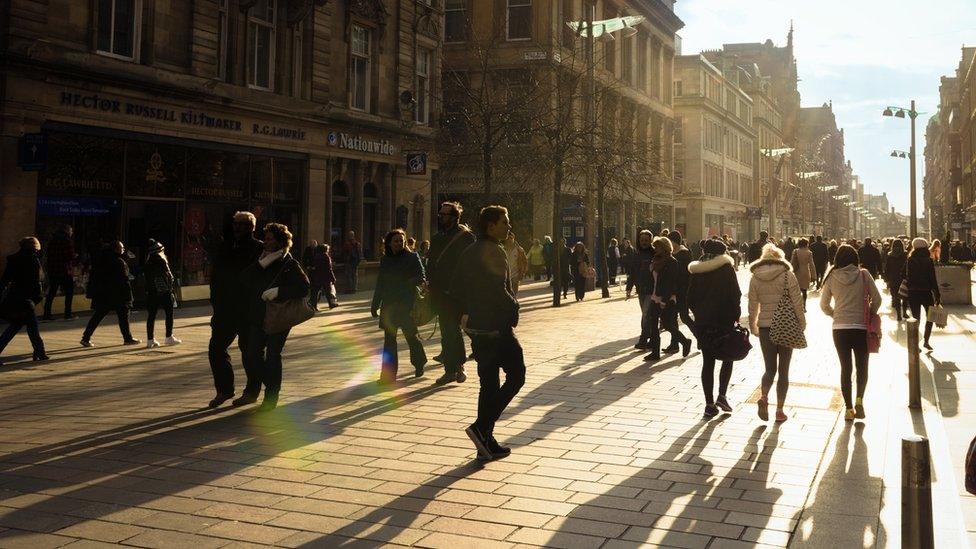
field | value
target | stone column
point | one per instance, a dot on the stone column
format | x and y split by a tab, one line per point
317	206
357	172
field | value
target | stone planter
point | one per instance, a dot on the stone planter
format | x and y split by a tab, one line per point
955	284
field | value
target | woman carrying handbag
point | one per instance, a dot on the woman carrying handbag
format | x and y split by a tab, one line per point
159	294
776	317
922	285
856	301
276	287
713	298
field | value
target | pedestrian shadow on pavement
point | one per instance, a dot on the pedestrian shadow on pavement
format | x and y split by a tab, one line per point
946	386
176	455
846	502
666	503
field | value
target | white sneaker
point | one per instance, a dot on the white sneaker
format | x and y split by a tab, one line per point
152	344
87	343
173	340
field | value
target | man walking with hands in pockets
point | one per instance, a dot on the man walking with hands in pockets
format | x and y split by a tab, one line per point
490	315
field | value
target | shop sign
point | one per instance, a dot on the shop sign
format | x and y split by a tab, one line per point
79	207
753	212
33	152
358	143
417	163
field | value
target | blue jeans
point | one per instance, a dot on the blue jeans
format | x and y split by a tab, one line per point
33	332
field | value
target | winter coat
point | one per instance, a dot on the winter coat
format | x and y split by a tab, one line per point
923	286
683	257
398	278
627	259
831	253
665	280
109	282
804	268
535	256
819	251
159	281
566	262
443	257
547	248
639	275
894	270
581	264
284	273
713	295
60	255
483	288
22	283
517	263
870	259
769	276
322	274
755	251
613	257
846	287
226	286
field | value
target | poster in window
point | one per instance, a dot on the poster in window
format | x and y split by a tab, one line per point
217	176
82	165
154	170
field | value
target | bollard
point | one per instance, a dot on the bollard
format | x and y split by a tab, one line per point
916	494
914	373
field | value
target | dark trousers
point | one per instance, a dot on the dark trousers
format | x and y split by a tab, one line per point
821	271
315	295
66	284
453	354
708	377
580	285
263	363
612	271
548	270
777	360
390	363
565	280
352	278
151	310
916	306
123	313
495	353
682	309
33	332
667	317
852	342
222	334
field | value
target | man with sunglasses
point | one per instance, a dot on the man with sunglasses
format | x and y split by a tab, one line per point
446	246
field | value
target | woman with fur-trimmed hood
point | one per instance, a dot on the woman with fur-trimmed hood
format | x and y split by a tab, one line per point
771	276
713	297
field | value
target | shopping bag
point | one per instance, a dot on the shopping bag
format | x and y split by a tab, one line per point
938	315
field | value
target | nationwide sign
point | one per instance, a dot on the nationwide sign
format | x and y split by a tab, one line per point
358	143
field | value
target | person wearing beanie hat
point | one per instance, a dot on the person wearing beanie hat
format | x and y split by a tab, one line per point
923	286
713	298
160	293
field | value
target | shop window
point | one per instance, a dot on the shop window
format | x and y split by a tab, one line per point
421	86
154	170
222	38
370	221
261	25
340	215
261	182
519	20
82	165
455	20
289	180
217	175
359	68
118	28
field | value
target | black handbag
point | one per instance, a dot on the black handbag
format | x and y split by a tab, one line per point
734	345
280	316
423	310
971	468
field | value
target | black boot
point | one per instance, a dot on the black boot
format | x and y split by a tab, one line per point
928	334
642	343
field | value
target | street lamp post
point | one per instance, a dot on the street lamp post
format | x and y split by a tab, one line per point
900	112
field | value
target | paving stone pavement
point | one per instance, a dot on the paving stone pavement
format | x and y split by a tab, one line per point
114	445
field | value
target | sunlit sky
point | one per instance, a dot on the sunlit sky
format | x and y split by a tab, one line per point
863	55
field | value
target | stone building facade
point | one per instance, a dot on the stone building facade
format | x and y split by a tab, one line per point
138	119
717	153
507	56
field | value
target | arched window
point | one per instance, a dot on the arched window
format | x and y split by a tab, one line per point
370	220
340	215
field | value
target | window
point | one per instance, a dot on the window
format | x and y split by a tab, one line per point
519	20
627	60
261	24
298	60
222	29
642	62
118	27
421	86
678	132
677	88
359	69
455	20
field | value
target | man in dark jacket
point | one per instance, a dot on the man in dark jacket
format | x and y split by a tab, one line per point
229	308
755	249
640	279
110	291
565	266
60	271
870	258
446	247
490	315
683	255
20	287
819	251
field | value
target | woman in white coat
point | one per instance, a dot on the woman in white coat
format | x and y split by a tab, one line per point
772	275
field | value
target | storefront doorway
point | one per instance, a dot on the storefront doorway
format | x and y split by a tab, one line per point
158	220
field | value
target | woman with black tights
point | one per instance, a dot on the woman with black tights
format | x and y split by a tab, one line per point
713	298
846	285
923	287
159	294
894	273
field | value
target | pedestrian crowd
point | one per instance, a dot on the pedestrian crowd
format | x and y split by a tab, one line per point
469	280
